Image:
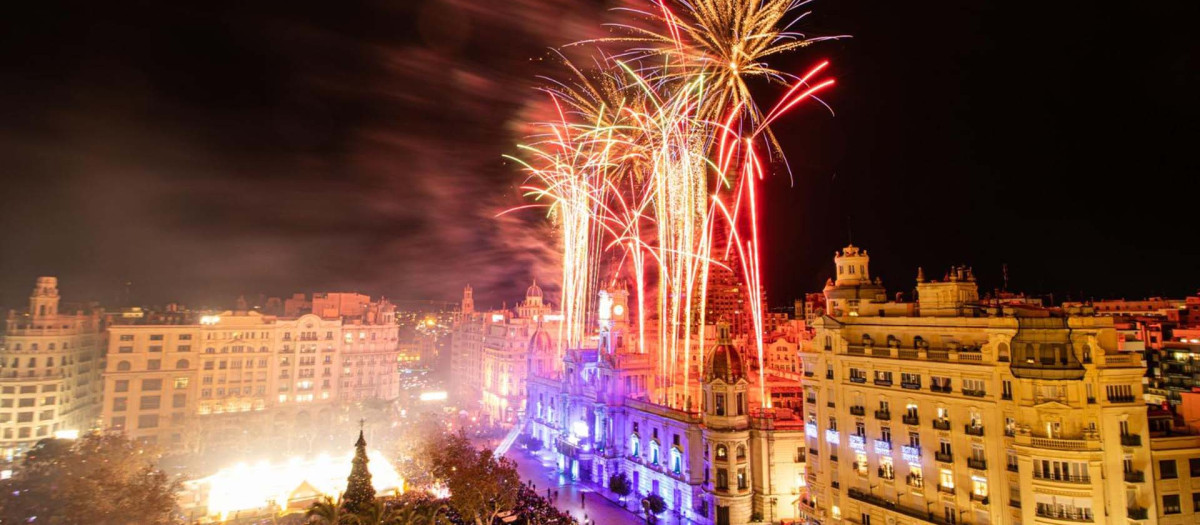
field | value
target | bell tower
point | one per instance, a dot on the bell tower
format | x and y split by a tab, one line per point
727	431
43	303
468	300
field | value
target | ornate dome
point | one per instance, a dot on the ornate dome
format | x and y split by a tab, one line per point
540	342
724	363
534	290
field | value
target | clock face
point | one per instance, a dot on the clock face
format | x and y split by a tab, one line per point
618	310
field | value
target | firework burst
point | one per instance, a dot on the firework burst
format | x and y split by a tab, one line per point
651	151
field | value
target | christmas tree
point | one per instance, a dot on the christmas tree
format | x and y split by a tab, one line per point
360	495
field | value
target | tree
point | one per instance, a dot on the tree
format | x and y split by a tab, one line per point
619	484
329	512
379	513
360	495
653	505
101	479
481	485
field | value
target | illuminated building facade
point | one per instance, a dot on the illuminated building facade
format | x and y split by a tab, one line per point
944	411
50	365
721	462
493	352
228	378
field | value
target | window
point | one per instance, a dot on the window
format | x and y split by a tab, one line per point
153	364
1194	468
124	349
1171	504
148	421
973	386
156	337
149	403
720	404
179	401
121	385
151	384
722	479
156	348
911	381
123	366
118	423
1166	469
126	337
722	452
182	364
119	404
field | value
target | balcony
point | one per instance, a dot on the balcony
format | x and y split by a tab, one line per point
858	410
1061	478
1081	515
944	457
910	385
1121	399
946	489
1012	467
974	393
830	404
1131	440
855	379
914	481
920	514
980	498
941	424
1014	503
810	400
1006	396
977	463
886	474
883	382
1136	513
912	419
883	414
973	430
829	374
1135	476
808	373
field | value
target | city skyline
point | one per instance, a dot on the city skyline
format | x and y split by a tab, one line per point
283	161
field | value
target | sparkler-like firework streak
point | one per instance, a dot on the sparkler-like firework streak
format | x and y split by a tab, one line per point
650	152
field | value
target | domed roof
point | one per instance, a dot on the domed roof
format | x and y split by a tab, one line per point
724	362
540	342
534	290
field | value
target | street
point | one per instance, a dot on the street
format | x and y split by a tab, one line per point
599	509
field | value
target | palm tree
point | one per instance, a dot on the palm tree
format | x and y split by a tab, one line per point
328	512
378	514
420	514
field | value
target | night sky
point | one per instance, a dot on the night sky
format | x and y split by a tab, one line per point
211	149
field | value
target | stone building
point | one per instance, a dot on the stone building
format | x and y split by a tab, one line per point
225	380
50	365
945	411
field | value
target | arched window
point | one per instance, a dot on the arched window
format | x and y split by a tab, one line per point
123	366
741	452
722	452
210	350
653	452
635	445
49	361
676	460
182	364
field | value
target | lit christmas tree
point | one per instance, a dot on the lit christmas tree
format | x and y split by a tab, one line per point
360	495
